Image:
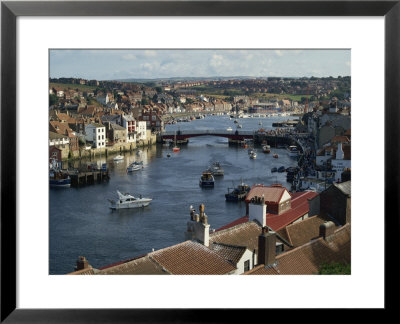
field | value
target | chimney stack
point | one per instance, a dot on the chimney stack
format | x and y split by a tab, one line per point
266	247
258	210
326	229
82	263
198	227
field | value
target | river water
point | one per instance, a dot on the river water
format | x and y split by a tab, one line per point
81	223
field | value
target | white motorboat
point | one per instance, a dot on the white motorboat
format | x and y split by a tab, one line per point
128	201
118	158
135	166
253	155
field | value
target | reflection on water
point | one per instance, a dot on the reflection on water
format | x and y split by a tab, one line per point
81	222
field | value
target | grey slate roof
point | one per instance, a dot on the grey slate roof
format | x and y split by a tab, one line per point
344	187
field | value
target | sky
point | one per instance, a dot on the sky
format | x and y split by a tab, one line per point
152	63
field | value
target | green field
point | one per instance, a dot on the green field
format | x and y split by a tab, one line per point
80	87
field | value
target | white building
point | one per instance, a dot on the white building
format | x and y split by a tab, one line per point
340	164
103	99
56	139
96	134
141	131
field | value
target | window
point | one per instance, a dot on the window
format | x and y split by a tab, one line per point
247	265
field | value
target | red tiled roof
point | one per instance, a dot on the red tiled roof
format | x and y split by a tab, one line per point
308	258
299	208
191	258
238	221
271	194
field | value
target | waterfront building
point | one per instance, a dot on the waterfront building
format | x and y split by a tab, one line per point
56	153
96	134
129	123
153	119
141	133
116	134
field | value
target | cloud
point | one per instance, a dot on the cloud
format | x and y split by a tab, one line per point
129	57
278	52
216	60
150	53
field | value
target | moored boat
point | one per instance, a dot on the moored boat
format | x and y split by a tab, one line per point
281	169
207	179
229	129
59	179
126	200
253	155
238	193
175	149
293	152
134	166
274	169
266	149
118	158
275	156
216	169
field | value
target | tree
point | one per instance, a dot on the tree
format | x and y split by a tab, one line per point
335	268
53	99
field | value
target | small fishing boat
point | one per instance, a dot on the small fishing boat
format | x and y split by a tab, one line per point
216	169
266	149
206	179
126	200
175	149
118	158
238	193
58	178
281	169
275	156
253	155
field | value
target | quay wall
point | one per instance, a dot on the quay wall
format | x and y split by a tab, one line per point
110	150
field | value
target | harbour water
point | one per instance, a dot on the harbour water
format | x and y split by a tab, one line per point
81	223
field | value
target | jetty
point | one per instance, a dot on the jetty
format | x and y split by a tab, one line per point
79	178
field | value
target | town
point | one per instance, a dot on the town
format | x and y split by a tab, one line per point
300	228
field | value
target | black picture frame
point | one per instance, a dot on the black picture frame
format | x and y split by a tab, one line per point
10	10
